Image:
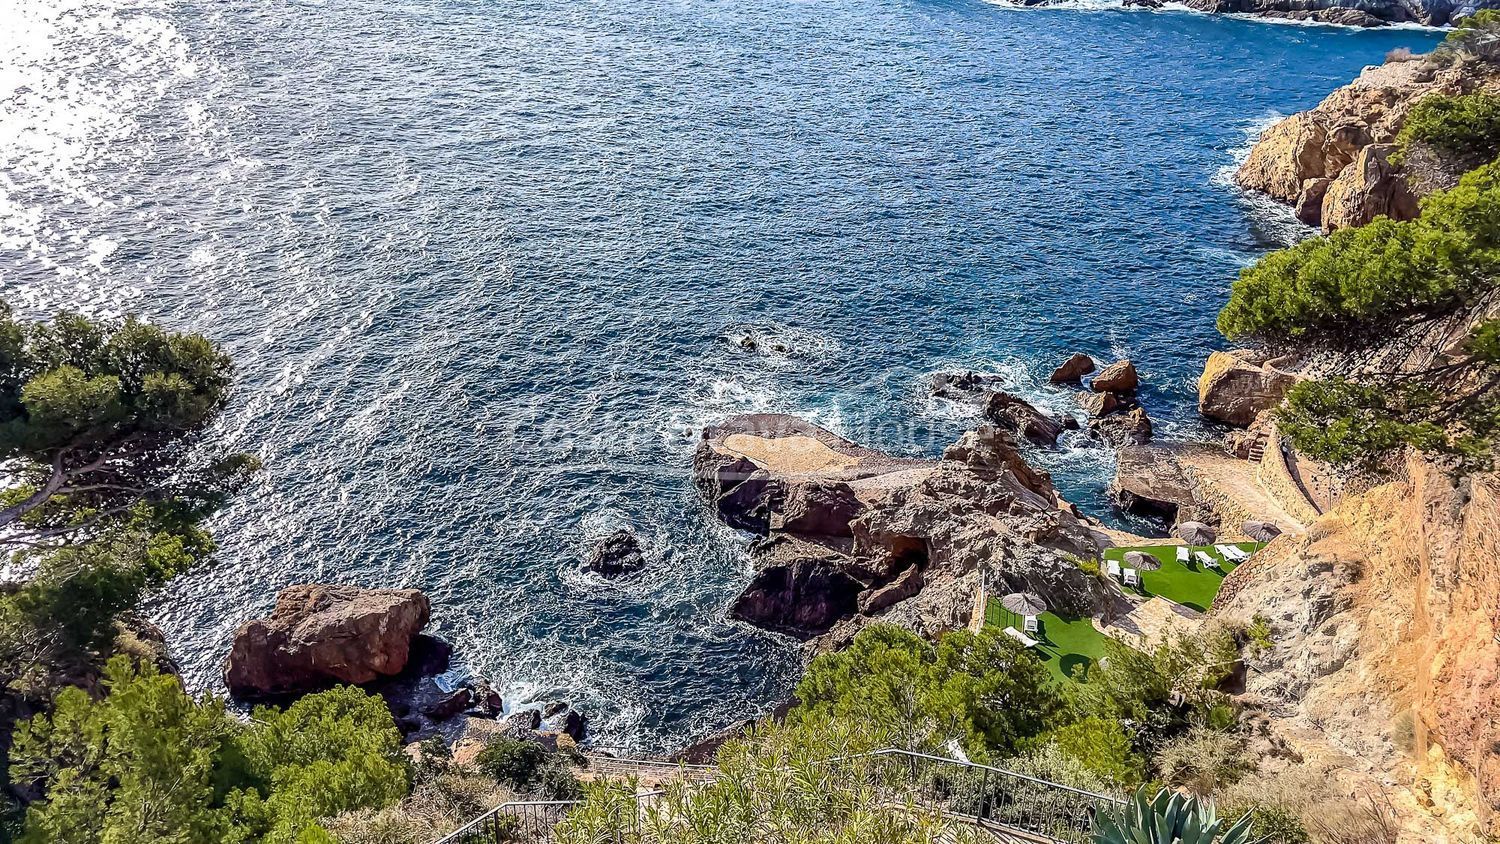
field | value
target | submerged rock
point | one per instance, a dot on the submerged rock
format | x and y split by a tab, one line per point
616	555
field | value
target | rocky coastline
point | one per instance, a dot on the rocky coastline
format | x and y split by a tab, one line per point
1362	13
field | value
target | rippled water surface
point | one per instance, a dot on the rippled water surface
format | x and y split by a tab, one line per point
483	265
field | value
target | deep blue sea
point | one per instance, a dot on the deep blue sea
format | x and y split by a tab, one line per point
483	265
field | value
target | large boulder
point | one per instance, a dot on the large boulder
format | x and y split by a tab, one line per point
1073	369
1370	187
1018	416
799	589
1132	427
322	634
1118	377
1233	388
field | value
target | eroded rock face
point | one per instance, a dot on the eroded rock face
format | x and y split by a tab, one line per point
1234	389
1369	187
914	538
321	634
1073	369
1333	161
1151	481
1385	613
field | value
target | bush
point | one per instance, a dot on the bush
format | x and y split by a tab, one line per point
1380	271
1258	634
147	762
1103	748
983	691
1347	423
777	785
1203	761
1475	37
1467	125
512	762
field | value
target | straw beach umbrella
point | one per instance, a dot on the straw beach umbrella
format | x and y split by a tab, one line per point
1024	603
1261	531
1142	561
1195	533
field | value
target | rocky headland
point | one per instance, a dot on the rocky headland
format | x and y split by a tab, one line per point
1333	162
1366	13
847	535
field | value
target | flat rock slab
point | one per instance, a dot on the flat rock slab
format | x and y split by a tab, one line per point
789	448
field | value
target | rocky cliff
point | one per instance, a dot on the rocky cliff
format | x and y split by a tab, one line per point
1333	161
848	535
1384	672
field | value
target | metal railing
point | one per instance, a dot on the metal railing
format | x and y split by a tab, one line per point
523	823
994	796
966	792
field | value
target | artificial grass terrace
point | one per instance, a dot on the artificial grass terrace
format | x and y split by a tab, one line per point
1071	643
1192	584
1066	643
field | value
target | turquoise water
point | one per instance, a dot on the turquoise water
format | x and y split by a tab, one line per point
483	266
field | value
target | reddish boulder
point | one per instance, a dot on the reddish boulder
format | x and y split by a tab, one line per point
1073	369
1119	377
320	634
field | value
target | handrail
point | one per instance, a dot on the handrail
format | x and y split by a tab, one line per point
516	808
895	751
456	834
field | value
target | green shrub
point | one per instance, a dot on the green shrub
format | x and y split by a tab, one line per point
1347	423
1375	272
1103	748
147	762
1088	566
1475	37
984	691
1258	633
513	762
1467	125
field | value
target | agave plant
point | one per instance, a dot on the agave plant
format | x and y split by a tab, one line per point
1170	818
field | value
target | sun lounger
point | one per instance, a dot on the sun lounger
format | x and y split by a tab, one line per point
1021	637
1206	559
1182	554
1112	568
1032	624
1239	555
1132	577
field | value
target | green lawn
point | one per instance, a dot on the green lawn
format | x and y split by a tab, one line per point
1066	643
1192	584
1069	643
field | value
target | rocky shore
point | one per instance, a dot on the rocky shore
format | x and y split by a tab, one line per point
1366	13
1333	162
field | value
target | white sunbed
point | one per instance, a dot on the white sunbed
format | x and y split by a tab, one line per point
1021	637
1182	554
1112	568
1239	555
1132	577
1206	559
1032	624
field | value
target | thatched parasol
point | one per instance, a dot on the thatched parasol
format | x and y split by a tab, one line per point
1261	531
1195	533
1024	603
1142	561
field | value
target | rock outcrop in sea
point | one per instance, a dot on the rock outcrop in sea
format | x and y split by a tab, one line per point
848	535
1333	162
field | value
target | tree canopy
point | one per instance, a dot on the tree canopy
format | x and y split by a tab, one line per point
148	762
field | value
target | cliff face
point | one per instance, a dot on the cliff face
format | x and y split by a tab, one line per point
1384	675
1333	161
